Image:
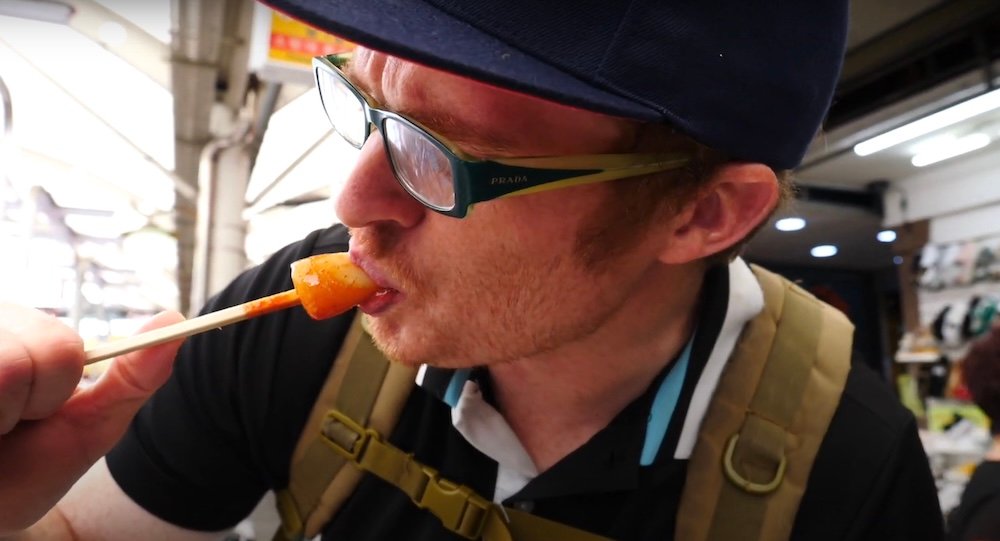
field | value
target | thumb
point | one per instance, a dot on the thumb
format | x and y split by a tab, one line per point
139	373
126	384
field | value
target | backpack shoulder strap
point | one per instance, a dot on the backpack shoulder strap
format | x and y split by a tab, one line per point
318	482
346	428
767	418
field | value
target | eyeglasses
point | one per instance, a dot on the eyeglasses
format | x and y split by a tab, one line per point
447	180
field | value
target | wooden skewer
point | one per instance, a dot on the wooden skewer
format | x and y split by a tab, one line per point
206	322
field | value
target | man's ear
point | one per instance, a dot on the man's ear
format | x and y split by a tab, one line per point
735	200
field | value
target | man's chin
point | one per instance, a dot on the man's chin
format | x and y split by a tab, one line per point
402	345
408	357
390	341
398	352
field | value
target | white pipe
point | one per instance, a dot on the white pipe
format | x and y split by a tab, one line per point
208	167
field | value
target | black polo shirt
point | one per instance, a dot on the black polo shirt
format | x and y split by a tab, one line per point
220	433
977	518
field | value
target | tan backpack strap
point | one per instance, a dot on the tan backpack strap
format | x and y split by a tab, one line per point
318	481
459	508
766	420
350	427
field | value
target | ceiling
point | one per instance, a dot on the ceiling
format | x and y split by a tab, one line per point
851	229
906	59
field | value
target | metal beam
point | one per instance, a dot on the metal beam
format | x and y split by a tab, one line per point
888	48
140	49
197	28
870	200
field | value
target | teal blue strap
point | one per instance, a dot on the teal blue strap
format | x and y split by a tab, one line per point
454	391
664	405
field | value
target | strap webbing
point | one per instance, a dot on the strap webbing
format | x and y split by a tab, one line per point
758	455
459	508
766	420
318	481
351	427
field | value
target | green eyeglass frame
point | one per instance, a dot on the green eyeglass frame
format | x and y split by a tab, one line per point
477	180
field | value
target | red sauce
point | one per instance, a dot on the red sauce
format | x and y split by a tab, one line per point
329	284
272	303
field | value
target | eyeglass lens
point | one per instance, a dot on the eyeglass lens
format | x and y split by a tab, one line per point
420	166
343	108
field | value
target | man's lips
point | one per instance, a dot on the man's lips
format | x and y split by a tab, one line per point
373	272
387	293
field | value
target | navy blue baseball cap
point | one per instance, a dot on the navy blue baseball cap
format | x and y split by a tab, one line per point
751	78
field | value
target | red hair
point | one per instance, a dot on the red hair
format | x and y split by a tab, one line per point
981	372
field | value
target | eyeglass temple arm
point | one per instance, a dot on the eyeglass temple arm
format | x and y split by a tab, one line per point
600	161
517	176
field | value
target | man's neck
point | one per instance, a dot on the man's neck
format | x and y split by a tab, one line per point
557	401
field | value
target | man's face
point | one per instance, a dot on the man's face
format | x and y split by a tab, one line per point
506	282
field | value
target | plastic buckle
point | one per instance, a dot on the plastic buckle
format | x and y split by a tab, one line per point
459	508
743	482
348	438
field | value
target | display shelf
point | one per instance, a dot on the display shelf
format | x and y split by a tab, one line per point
932	301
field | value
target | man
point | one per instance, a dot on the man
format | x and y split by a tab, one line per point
571	338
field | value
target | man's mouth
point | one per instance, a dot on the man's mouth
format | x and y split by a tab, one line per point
380	301
387	294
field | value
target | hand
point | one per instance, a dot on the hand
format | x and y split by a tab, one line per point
51	432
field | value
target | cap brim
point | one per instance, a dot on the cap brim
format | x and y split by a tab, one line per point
427	35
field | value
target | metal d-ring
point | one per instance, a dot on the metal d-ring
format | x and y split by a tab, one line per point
743	482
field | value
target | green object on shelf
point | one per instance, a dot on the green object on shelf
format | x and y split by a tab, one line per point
909	395
942	413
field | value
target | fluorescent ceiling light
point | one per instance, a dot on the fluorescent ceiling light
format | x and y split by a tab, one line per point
39	10
950	150
824	250
886	236
930	144
789	224
956	113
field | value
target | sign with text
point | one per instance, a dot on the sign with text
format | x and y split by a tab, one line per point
282	48
297	43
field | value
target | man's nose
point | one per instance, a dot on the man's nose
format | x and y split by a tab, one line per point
372	194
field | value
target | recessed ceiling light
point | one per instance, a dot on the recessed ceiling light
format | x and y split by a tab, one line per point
824	250
789	224
886	236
